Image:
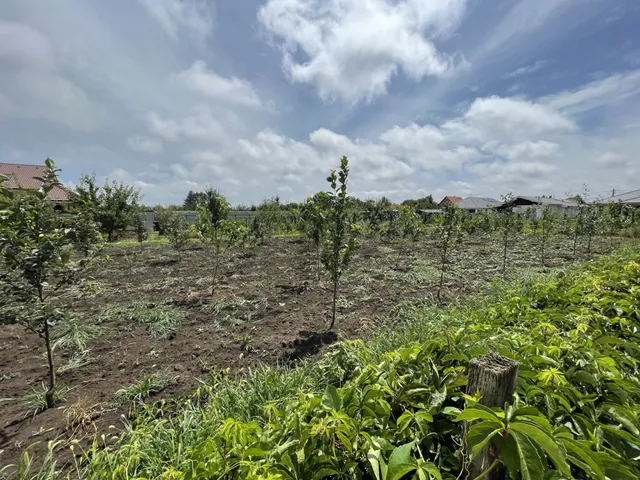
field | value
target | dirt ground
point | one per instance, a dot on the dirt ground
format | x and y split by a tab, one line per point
271	305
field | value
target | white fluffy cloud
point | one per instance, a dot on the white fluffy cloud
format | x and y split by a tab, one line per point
201	124
351	49
208	83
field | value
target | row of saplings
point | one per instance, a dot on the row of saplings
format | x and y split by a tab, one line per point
44	254
39	247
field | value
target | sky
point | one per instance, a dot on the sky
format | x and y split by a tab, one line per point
262	97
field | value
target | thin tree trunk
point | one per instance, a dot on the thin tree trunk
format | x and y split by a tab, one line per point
575	245
504	255
52	370
317	261
589	245
542	249
443	266
495	378
335	295
215	271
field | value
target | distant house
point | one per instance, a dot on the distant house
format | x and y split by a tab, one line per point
630	198
524	203
477	204
448	200
21	178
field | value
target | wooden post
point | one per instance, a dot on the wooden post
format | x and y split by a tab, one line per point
495	378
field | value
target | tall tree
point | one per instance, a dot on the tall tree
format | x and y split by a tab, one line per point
192	200
113	206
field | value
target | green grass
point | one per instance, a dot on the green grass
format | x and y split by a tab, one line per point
161	320
142	389
74	336
78	360
36	402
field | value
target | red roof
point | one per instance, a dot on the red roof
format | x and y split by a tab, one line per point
24	177
450	199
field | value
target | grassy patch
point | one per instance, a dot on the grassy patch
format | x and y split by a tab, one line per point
75	336
36	401
161	321
142	389
76	361
236	309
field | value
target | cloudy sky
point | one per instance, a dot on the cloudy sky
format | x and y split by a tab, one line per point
262	97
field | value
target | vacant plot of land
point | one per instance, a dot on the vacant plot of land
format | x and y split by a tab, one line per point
145	323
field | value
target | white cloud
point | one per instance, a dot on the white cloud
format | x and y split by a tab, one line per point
277	155
511	119
208	83
352	48
200	125
195	17
608	91
140	143
35	87
527	69
612	160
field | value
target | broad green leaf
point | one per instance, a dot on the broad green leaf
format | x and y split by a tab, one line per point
331	398
400	462
531	467
430	470
475	413
622	416
585	455
477	448
509	454
551	448
585	377
377	464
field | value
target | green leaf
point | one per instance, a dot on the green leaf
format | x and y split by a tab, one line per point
623	416
331	398
400	462
531	467
477	448
585	454
470	414
585	377
552	449
509	454
377	463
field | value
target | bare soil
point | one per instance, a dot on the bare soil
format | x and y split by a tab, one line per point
271	305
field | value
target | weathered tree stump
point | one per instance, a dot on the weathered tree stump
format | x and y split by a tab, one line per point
495	378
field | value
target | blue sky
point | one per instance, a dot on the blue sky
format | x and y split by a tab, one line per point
262	97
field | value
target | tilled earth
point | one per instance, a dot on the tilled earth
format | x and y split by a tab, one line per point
271	305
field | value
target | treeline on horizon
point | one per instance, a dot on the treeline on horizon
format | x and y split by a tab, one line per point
193	198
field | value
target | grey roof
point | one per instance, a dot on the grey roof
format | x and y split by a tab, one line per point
549	201
430	210
478	203
632	197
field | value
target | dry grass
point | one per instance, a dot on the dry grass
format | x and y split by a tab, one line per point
82	413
